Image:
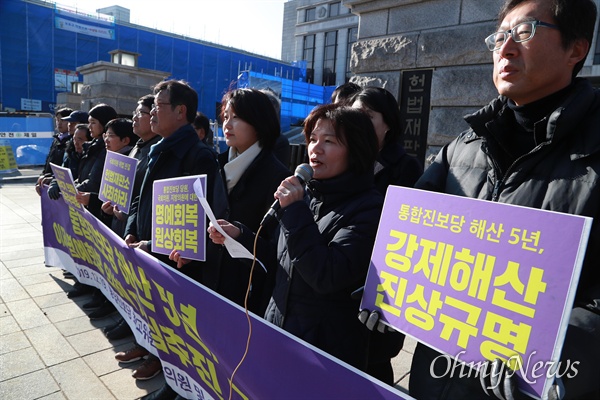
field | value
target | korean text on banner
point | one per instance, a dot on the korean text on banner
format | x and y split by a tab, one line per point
178	221
117	180
478	280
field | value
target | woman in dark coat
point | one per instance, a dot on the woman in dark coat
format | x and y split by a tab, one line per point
91	165
327	237
393	167
252	174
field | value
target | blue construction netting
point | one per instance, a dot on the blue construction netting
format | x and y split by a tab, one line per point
42	45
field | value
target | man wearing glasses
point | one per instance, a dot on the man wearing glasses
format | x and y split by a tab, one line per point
536	145
179	152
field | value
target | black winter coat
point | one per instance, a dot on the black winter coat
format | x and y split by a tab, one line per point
186	156
56	153
324	252
91	168
396	167
249	200
561	174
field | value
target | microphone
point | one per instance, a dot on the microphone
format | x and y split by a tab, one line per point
304	173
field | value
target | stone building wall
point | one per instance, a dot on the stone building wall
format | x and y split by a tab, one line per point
444	35
119	86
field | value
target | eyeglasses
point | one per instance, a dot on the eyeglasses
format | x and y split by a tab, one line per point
520	33
138	114
156	106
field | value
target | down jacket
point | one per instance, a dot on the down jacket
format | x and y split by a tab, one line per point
324	252
560	174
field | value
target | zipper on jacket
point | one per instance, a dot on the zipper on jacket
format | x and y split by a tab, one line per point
499	182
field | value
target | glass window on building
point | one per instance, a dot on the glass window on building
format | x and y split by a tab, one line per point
334	9
329	53
352	37
308	55
310	14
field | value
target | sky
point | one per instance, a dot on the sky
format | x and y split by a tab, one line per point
250	25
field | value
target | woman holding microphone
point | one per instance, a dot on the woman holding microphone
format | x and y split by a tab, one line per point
326	235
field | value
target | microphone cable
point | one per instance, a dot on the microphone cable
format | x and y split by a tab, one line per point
247	315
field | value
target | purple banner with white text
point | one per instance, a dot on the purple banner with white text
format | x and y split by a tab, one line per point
199	336
478	280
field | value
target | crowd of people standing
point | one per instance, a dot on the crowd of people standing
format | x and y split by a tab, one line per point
536	145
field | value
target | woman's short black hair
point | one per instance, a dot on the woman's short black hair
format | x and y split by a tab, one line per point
382	101
255	108
353	128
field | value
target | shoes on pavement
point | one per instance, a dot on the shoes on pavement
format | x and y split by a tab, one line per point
79	289
107	308
132	354
68	275
164	393
149	369
97	301
120	331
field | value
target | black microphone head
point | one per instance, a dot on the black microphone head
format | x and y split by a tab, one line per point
304	173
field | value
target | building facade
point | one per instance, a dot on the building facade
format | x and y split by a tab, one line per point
439	39
320	34
43	45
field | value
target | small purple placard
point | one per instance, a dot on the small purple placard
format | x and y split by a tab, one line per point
64	178
178	220
478	280
117	180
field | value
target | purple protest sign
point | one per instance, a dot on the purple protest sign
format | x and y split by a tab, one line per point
67	186
178	221
478	280
199	336
117	180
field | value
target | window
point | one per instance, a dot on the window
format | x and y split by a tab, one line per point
310	14
352	37
308	55
329	53
334	9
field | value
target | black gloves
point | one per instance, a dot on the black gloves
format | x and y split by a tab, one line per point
498	380
54	191
372	320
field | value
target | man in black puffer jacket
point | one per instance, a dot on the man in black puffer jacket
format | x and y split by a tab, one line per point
537	145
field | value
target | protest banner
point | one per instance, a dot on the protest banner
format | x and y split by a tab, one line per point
478	280
117	180
64	178
8	163
198	335
178	221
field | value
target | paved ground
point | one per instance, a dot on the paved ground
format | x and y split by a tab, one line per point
49	348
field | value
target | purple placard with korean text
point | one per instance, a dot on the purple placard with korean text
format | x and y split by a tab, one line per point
178	220
64	178
478	280
117	180
199	336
